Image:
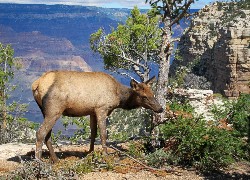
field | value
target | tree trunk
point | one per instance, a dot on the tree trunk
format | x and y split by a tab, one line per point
162	84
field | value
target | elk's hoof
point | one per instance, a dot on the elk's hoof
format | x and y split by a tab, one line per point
54	160
105	151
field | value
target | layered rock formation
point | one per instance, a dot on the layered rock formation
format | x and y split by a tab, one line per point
203	101
217	46
40	53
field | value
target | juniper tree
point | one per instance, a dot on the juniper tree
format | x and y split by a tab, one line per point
11	112
131	47
171	12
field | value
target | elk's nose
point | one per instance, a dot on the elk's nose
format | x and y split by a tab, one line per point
160	110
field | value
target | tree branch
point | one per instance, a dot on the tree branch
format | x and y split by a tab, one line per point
181	15
125	74
122	55
168	8
142	164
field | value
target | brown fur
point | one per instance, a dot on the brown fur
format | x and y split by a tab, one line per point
85	93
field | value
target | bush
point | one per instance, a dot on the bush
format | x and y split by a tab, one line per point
206	145
39	170
95	161
13	125
203	145
240	115
237	113
123	124
159	158
136	149
83	128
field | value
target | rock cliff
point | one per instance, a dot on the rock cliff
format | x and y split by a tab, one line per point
217	47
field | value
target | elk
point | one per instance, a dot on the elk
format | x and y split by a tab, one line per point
77	94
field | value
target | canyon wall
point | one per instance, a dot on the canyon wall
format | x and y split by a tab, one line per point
217	47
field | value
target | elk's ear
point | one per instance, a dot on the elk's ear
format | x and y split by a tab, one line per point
150	81
133	84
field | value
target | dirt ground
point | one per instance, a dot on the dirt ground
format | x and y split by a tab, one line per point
12	154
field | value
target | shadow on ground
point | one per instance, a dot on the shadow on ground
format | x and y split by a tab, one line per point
30	156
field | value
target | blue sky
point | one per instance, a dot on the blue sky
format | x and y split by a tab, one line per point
102	3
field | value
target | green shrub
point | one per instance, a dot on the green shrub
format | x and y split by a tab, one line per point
123	124
136	149
95	161
203	145
159	158
38	170
83	128
239	114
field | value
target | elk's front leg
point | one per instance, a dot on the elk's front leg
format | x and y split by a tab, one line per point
93	127
101	121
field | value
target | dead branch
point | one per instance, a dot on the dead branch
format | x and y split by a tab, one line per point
139	162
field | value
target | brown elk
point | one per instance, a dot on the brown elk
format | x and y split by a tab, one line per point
78	94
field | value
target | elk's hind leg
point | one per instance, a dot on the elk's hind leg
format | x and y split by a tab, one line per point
48	143
43	135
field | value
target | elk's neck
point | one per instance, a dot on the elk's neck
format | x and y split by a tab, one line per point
128	98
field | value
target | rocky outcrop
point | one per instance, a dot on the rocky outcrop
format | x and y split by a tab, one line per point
202	101
217	46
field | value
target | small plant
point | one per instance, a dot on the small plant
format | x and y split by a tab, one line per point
39	170
136	149
56	136
83	128
123	124
95	161
159	158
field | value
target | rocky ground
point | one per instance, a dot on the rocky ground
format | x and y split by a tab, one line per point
12	156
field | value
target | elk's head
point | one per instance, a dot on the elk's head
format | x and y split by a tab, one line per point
144	95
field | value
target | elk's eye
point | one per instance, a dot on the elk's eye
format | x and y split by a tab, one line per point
144	97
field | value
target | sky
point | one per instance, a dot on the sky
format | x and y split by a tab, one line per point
102	3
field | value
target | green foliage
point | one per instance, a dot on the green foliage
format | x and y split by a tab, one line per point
136	149
237	113
95	161
240	115
206	145
56	136
12	124
203	145
175	10
122	125
6	64
126	124
83	127
135	43
181	105
179	72
38	170
159	158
